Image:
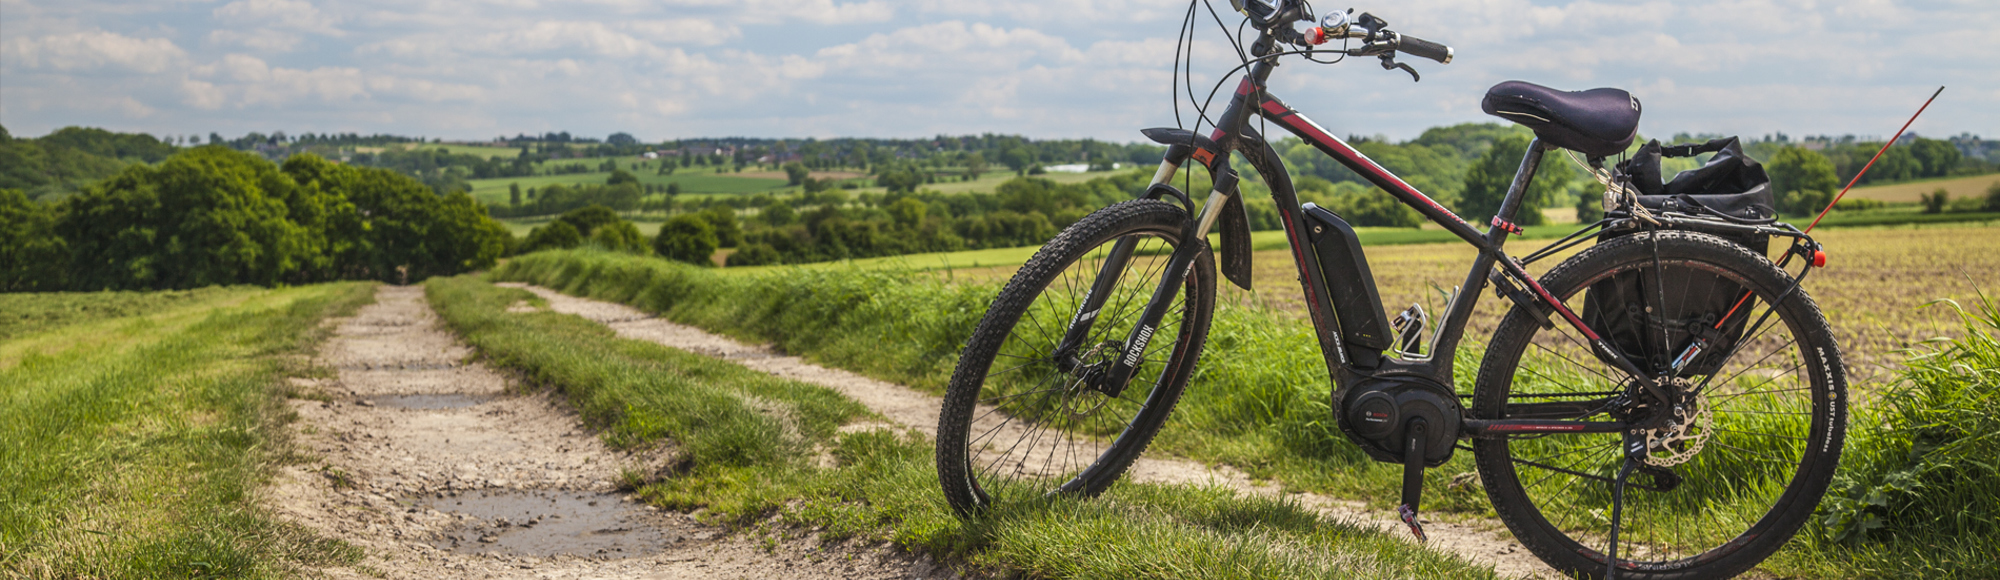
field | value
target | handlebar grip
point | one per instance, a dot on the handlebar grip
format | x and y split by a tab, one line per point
1414	46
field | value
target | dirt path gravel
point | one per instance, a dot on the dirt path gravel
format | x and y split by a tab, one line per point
916	410
436	468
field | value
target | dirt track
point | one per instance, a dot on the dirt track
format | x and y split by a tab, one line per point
916	410
436	468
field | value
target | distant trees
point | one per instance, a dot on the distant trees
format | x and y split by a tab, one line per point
1487	181
722	220
32	257
796	173
215	216
975	165
1803	181
1018	159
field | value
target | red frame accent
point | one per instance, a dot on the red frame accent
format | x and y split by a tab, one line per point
1296	122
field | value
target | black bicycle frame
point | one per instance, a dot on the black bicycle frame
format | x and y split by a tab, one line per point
1232	135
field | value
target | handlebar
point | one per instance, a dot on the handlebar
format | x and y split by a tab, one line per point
1418	47
1377	39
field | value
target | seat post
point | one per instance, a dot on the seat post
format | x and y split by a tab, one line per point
1525	175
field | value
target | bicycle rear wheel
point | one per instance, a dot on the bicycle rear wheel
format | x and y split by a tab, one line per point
1753	447
1022	420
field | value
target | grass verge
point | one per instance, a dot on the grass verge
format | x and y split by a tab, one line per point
756	447
1919	495
1261	406
136	453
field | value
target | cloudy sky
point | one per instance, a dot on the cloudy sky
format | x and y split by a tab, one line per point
663	69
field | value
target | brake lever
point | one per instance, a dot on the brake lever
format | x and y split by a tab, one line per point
1389	63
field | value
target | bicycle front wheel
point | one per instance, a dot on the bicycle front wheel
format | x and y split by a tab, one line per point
1023	418
1752	444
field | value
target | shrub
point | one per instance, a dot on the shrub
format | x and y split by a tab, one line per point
1935	202
686	238
620	236
556	235
1859	204
754	255
586	219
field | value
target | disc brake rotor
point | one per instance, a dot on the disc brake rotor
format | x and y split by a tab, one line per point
1683	436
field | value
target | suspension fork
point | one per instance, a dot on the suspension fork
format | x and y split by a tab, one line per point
1114	378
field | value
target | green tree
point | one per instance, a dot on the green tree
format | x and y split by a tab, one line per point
1936	156
514	194
1935	202
620	236
1018	159
975	165
1993	197
1486	183
754	255
389	227
899	176
908	212
1803	180
620	176
777	214
796	173
588	218
686	238
32	257
1589	207
556	235
722	219
209	216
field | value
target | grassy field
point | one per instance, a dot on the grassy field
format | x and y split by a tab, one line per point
479	150
1960	187
1262	407
135	429
748	463
495	191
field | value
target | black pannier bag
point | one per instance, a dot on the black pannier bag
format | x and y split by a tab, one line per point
1730	187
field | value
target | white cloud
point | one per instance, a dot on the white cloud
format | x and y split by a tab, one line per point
262	39
83	51
294	15
665	68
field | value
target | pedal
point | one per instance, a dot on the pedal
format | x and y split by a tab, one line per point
1409	327
1409	515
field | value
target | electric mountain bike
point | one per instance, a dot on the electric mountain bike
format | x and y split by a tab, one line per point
1667	402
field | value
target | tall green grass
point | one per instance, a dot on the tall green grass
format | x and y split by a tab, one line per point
1919	493
1260	400
131	446
1919	467
753	448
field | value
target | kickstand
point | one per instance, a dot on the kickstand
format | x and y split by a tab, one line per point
1413	477
1617	512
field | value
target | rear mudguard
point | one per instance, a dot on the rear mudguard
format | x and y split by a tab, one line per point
1234	223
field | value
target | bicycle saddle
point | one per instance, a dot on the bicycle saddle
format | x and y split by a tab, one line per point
1597	122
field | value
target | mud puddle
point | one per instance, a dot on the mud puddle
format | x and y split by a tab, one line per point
428	402
548	523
